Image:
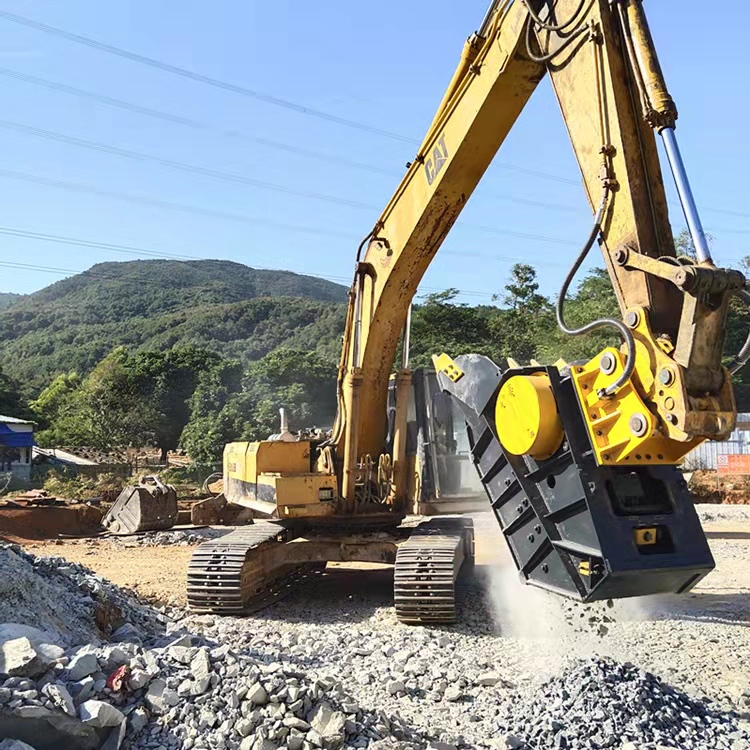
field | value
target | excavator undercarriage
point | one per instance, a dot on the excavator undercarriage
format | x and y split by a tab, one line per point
252	567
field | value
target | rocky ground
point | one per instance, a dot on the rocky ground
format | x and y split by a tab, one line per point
330	666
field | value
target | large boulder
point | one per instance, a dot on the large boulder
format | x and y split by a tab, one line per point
44	729
19	658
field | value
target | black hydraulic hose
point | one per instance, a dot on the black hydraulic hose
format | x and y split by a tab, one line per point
743	355
603	322
551	26
546	58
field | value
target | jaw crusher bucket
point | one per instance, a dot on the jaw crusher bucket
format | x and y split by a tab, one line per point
573	527
149	505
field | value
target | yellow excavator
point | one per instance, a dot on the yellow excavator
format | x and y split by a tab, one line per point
579	461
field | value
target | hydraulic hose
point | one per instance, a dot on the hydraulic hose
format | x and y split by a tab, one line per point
546	58
743	355
551	26
603	322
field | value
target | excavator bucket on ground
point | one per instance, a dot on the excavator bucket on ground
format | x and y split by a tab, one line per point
149	505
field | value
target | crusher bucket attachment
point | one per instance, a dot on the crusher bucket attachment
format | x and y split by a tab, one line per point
573	527
146	506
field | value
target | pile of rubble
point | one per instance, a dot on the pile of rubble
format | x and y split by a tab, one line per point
69	601
603	704
179	537
202	683
186	694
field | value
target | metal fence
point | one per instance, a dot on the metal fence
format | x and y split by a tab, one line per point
705	456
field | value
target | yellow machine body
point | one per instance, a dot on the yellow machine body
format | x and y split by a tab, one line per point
274	478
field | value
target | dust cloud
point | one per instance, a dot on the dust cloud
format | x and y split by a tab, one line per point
519	610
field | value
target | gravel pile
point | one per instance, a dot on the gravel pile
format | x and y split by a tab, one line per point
603	704
193	694
179	537
711	513
67	600
331	669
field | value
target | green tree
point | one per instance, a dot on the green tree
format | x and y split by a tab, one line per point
166	382
521	328
12	403
440	324
226	407
593	299
214	421
57	411
112	411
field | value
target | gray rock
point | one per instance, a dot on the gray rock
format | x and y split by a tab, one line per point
329	724
139	678
60	697
100	714
14	745
453	693
394	687
488	679
244	727
258	743
200	665
181	654
115	738
18	657
82	665
257	694
160	698
294	722
137	720
44	728
128	633
185	688
200	686
82	690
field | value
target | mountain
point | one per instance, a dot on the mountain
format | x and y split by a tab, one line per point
233	309
9	298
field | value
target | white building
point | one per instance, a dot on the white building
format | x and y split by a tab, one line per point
16	443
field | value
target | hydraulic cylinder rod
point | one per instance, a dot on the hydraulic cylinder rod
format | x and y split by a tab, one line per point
687	201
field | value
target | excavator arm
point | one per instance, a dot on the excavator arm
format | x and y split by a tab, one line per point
665	390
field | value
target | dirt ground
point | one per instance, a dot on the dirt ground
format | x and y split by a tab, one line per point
155	573
159	573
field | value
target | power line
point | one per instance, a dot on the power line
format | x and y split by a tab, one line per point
188	122
142	200
289	148
178	165
234	88
240	179
200	78
267	142
177	70
12	232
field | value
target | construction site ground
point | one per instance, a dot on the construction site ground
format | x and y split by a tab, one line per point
699	641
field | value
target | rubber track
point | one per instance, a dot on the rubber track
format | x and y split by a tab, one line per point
427	566
226	576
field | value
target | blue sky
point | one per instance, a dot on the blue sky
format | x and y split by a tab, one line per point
382	64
